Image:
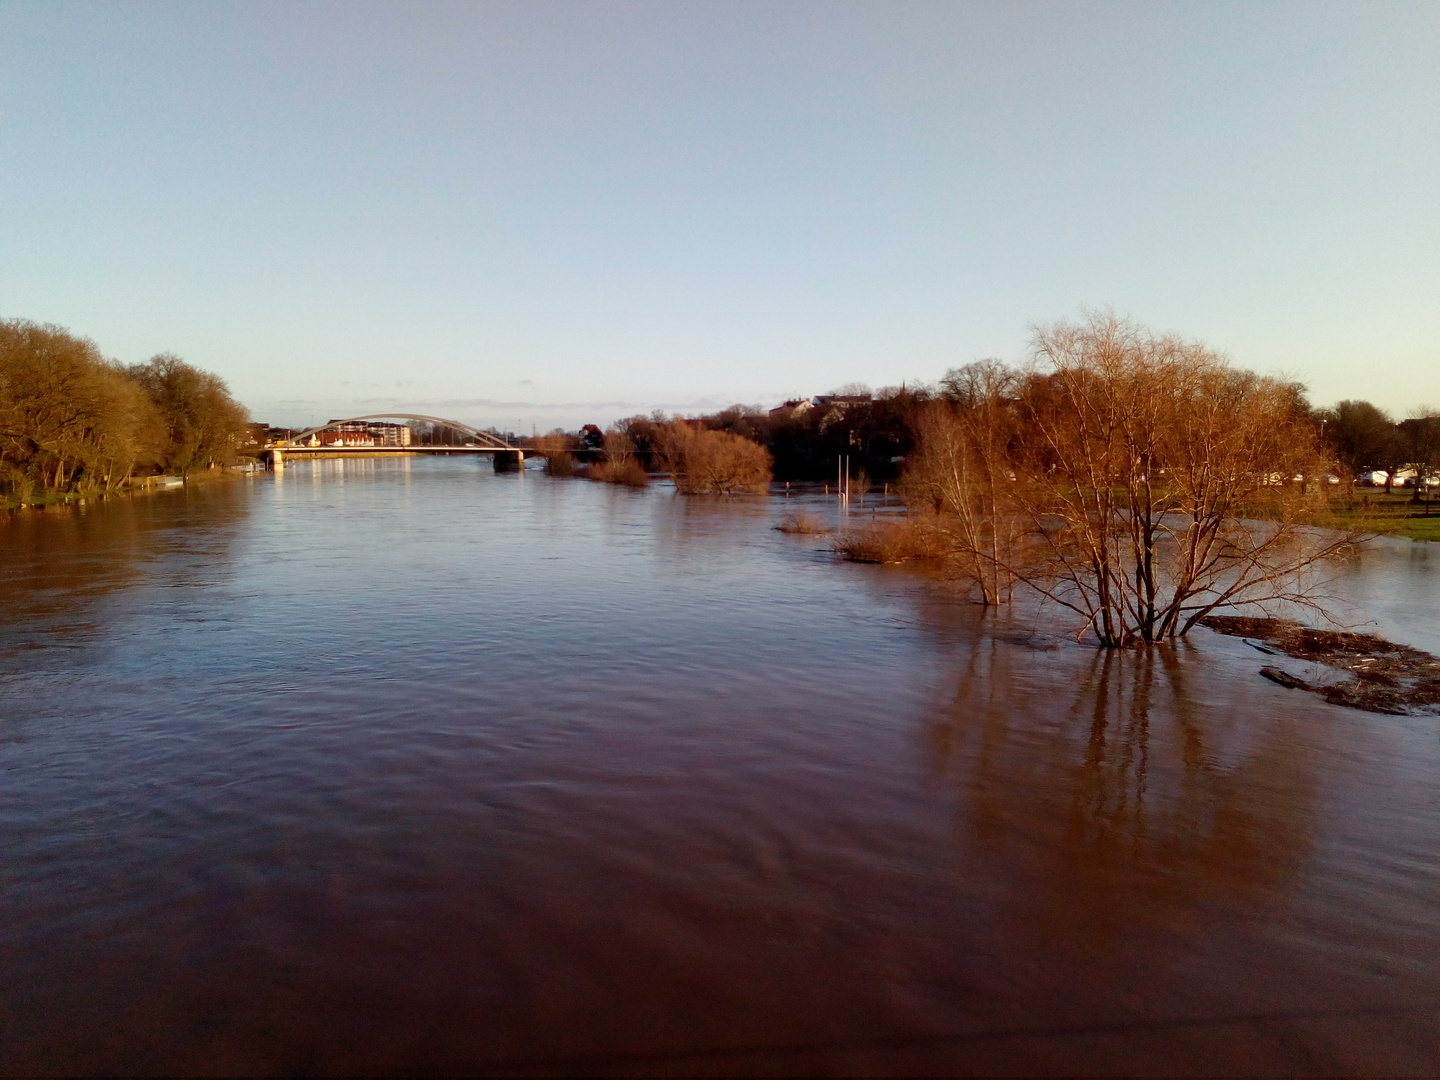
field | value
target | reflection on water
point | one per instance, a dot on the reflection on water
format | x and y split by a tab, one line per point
398	765
1125	800
1391	589
59	561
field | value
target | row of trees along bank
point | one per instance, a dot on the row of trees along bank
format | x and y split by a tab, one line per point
1365	439
74	423
878	431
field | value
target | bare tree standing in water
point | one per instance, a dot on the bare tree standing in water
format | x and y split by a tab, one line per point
964	444
1137	480
1162	483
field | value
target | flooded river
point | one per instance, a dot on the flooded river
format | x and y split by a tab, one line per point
397	766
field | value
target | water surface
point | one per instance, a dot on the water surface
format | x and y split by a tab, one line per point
382	766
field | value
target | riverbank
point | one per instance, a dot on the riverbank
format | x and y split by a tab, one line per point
1395	514
147	485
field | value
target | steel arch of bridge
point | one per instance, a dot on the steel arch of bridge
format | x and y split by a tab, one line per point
484	438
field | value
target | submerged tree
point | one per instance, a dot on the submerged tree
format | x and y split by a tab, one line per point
619	464
1162	483
702	461
961	467
1138	480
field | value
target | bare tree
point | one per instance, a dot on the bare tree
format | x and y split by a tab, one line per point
1162	484
671	440
964	444
558	447
1137	480
620	465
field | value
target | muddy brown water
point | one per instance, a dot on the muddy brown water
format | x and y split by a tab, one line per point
401	766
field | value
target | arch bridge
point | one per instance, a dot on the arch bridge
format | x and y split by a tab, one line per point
308	442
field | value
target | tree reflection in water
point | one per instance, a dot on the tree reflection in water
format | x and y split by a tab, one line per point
1116	794
63	565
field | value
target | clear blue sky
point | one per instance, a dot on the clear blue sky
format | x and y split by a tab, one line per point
557	213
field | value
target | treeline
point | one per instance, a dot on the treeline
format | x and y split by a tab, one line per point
874	429
1366	440
879	431
75	423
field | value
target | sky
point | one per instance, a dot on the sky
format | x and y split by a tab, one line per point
541	214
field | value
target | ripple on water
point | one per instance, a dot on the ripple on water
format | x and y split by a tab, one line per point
392	765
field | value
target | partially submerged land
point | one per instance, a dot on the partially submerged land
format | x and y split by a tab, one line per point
1362	671
1139	482
1365	671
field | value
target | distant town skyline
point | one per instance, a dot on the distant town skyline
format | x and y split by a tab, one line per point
519	214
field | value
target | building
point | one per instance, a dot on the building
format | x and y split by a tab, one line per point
834	408
365	433
335	437
792	408
840	401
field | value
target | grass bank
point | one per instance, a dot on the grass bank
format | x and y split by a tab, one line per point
1388	515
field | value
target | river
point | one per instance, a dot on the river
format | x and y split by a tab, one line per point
399	766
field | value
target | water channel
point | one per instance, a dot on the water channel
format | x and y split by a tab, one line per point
397	766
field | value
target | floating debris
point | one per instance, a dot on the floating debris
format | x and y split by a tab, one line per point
1284	678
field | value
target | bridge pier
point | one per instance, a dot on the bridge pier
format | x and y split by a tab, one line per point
509	460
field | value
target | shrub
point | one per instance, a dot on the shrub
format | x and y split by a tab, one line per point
803	523
626	472
858	484
705	462
894	542
560	463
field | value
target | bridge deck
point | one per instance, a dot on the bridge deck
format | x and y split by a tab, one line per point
291	451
